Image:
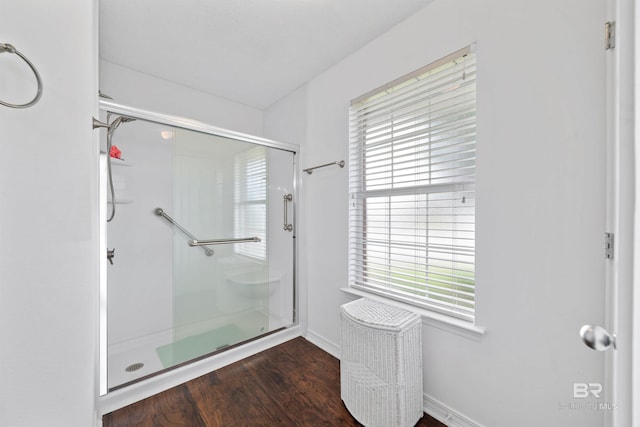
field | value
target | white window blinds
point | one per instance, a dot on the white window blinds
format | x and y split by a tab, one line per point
412	187
251	202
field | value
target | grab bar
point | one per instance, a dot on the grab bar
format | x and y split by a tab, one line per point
160	212
287	227
195	242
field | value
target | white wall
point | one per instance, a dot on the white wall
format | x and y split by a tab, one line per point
48	218
540	200
286	120
140	90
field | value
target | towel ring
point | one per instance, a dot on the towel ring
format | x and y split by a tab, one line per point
6	47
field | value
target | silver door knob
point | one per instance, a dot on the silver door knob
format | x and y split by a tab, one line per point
597	337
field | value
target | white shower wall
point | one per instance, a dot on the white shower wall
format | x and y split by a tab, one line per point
140	280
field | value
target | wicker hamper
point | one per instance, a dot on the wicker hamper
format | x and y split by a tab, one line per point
381	364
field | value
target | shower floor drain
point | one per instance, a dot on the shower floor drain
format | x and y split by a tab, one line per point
134	367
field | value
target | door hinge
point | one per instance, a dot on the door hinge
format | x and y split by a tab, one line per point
610	35
608	245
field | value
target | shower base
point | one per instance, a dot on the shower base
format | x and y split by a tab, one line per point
189	348
160	351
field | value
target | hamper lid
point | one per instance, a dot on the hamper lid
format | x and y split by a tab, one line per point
378	314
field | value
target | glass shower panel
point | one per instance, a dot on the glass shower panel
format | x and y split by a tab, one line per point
280	241
172	300
219	193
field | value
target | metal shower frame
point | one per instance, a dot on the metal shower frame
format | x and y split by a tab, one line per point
110	107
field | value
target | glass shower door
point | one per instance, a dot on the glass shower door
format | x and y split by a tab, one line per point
232	289
204	257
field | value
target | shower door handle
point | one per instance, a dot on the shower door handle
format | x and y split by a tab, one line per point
287	198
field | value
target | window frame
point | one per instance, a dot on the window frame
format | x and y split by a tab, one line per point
245	190
359	279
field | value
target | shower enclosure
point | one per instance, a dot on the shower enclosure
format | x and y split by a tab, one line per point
199	254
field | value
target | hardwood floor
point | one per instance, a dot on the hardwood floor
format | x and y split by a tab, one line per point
293	384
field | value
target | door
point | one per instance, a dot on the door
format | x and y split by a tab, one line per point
614	337
238	286
620	211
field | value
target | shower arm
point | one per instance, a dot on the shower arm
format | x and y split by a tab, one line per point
160	212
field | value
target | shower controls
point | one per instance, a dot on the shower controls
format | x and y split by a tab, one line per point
287	198
110	254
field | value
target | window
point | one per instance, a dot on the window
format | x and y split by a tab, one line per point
412	188
251	201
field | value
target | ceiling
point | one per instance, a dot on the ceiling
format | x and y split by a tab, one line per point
250	51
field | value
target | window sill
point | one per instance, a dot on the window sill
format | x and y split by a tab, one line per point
436	320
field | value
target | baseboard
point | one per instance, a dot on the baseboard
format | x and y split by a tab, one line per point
445	414
328	346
